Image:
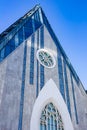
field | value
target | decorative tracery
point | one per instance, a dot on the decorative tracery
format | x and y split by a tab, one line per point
50	118
46	58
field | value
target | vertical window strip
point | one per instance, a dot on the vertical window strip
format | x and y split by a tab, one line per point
33	23
37	87
28	29
37	84
16	40
60	73
32	60
37	20
0	57
40	15
2	54
74	99
20	35
67	89
41	67
42	37
36	16
41	76
22	88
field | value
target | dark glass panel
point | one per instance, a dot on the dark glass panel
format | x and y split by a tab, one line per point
7	49
20	35
66	88
74	99
37	20
16	40
28	28
2	54
12	44
32	60
60	73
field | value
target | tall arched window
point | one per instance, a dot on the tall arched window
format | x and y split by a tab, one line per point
50	118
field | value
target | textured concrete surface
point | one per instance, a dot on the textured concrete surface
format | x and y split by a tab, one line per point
10	89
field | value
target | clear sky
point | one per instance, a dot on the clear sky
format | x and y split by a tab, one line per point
68	19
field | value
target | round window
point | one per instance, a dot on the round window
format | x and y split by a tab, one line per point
46	58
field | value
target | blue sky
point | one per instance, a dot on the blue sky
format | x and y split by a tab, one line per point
68	19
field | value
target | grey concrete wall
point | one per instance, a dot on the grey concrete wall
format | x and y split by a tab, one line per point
10	89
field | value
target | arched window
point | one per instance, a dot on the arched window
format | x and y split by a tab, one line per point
50	118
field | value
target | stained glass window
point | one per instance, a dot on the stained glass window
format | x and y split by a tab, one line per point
50	118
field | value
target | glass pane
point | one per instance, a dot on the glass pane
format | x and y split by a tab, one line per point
7	50
2	53
48	124
20	35
37	20
40	126
12	43
28	28
16	40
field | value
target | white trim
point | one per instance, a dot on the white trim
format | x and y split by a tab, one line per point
50	93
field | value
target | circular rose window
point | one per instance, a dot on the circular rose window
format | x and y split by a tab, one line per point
46	58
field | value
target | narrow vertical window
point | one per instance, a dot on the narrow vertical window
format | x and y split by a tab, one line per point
12	44
2	54
60	73
20	35
7	49
37	20
74	100
16	40
32	60
67	88
37	89
28	28
41	66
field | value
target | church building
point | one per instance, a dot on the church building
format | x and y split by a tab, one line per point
39	88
